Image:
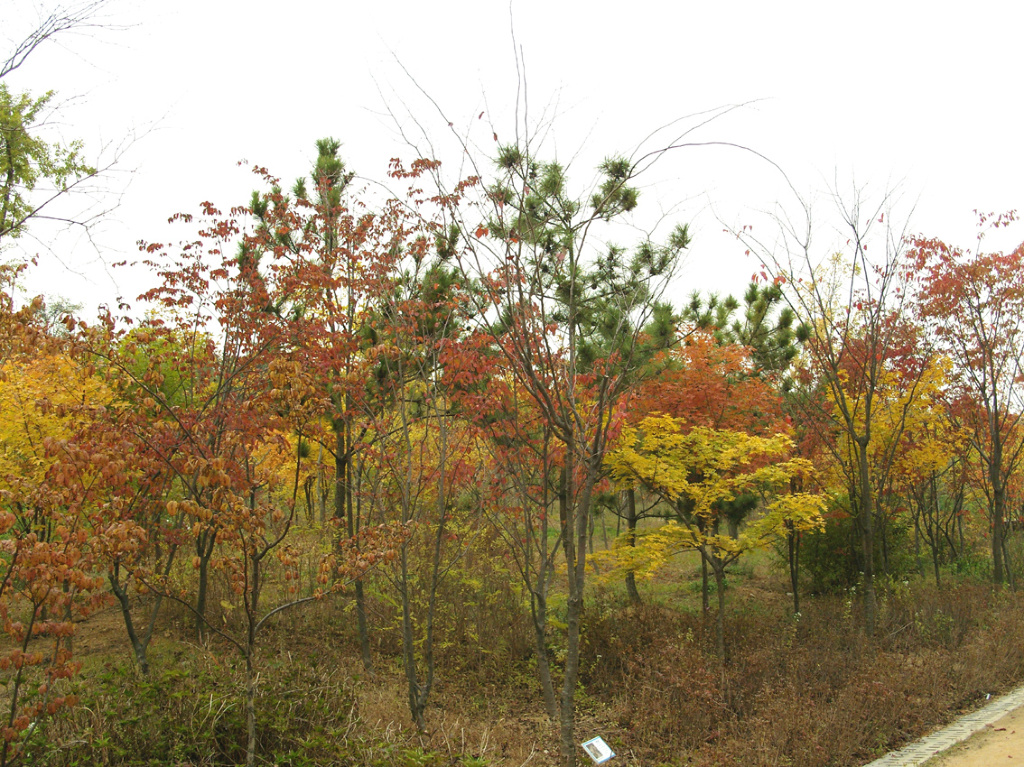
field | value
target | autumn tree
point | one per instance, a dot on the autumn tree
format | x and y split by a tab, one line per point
934	477
47	571
853	304
222	430
767	327
192	382
568	318
713	384
710	382
973	302
907	408
700	471
326	260
372	318
523	494
424	467
122	488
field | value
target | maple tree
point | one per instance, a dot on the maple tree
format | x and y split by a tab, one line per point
708	381
523	491
205	427
973	302
425	464
701	471
326	261
373	324
935	481
193	376
906	407
712	384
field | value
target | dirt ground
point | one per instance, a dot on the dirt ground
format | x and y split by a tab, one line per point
999	743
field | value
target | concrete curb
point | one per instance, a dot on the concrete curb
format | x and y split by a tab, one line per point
921	751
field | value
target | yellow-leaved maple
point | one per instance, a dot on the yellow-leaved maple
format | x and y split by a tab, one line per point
700	471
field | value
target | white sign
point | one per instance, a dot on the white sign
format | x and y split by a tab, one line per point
598	750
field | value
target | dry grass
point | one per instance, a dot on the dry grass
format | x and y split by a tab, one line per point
813	691
808	692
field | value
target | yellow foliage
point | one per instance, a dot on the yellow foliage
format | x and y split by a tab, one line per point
699	470
911	435
39	401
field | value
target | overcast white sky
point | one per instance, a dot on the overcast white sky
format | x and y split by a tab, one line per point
924	94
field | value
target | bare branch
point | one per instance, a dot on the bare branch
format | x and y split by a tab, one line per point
61	19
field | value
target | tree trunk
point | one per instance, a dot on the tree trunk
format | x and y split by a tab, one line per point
539	611
138	647
705	586
998	511
916	544
718	567
1007	564
409	646
631	590
933	527
250	710
355	516
321	487
345	510
867	536
204	549
793	544
885	545
960	533
576	561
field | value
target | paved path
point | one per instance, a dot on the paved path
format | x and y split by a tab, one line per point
921	751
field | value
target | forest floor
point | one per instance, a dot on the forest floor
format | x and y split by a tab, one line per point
797	691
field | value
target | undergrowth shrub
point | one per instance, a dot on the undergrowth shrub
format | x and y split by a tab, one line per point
810	690
480	621
807	690
655	663
831	558
190	711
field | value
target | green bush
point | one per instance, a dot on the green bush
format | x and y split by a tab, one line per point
832	558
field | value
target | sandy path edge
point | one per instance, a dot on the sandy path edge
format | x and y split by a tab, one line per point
994	726
1001	742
